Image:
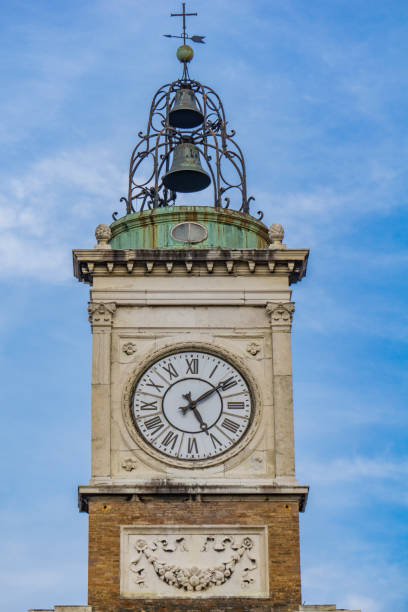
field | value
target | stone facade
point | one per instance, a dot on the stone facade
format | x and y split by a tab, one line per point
237	306
237	312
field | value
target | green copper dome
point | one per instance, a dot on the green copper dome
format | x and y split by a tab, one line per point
190	227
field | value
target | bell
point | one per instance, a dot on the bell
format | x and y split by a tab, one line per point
185	113
186	174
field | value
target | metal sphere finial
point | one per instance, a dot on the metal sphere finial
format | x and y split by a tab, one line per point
185	54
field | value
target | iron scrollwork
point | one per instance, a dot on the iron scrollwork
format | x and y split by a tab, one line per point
219	152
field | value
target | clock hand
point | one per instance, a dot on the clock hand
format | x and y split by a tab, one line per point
202	397
197	415
192	406
210	392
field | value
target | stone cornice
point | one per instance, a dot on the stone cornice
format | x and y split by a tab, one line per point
202	492
88	263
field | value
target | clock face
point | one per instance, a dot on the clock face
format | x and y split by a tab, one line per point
192	405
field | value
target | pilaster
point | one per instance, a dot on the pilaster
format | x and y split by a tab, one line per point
101	317
281	315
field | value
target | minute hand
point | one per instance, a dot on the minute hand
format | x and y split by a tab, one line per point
210	392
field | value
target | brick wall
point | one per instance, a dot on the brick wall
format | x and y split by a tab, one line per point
108	513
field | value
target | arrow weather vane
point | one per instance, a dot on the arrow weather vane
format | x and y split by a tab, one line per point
184	36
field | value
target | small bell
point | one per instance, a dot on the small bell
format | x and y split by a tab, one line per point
186	174
184	113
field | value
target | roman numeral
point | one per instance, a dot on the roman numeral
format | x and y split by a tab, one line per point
192	446
154	424
171	370
230	425
155	385
215	440
148	405
170	438
236	405
192	366
228	383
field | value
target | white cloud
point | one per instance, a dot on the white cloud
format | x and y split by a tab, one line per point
363	602
372	584
42	213
357	469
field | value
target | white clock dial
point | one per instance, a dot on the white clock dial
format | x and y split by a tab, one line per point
192	405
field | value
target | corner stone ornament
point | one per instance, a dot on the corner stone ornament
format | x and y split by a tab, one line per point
129	464
129	348
100	313
103	234
281	314
276	234
253	348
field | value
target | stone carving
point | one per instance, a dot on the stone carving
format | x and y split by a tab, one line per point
185	561
276	234
103	234
281	314
253	348
194	578
129	348
257	462
101	314
129	464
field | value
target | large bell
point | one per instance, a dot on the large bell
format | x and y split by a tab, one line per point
186	174
184	113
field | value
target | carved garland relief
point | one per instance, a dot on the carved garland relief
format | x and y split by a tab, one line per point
185	561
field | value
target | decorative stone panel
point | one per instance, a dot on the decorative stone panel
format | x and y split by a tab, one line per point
101	314
280	314
184	561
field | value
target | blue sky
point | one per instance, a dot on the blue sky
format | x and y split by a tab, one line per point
317	92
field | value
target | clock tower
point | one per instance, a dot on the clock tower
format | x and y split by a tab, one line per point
193	501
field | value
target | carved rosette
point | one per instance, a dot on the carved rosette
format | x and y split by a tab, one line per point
253	348
129	348
100	314
129	464
280	314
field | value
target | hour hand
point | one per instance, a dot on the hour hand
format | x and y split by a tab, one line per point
203	426
190	404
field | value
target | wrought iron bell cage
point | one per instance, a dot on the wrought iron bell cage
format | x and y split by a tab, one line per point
152	156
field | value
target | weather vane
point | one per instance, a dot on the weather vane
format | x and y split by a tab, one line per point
184	36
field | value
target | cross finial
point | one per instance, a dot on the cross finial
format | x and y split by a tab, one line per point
184	35
184	15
